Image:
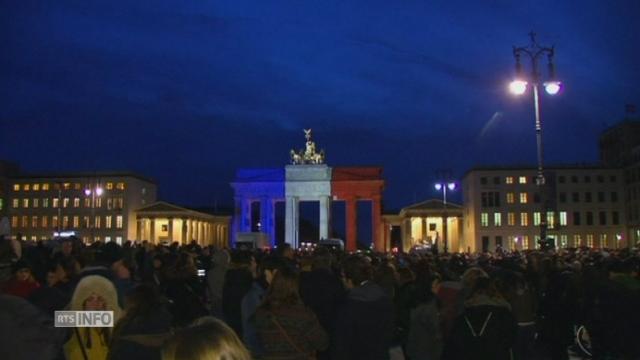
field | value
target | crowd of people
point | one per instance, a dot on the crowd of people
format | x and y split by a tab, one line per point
193	302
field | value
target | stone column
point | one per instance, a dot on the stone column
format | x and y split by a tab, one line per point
170	228
352	224
406	234
152	230
291	222
265	217
246	215
183	237
139	229
378	240
424	228
325	213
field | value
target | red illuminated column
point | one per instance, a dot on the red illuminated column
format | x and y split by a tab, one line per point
352	230
378	240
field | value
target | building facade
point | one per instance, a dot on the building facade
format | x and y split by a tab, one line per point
503	208
95	207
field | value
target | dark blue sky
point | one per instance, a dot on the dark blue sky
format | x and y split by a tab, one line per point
187	91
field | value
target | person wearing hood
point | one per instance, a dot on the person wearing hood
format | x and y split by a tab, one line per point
364	324
93	293
215	280
486	329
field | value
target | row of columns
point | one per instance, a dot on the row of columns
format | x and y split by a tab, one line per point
406	232
204	233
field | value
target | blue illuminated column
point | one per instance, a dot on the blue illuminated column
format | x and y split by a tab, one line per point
267	221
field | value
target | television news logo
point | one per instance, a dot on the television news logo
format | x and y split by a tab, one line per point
83	319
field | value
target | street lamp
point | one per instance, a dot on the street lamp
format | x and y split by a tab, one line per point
444	186
93	192
552	87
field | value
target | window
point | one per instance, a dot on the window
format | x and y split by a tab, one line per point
99	202
120	186
66	186
484	219
54	221
563	218
524	219
615	220
45	222
36	202
602	216
561	179
65	222
487	199
603	241
107	239
119	221
25	203
25	221
119	203
14	222
65	202
563	197
109	203
496	180
109	186
614	196
16	203
577	241
25	187
508	180
34	222
119	240
525	242
56	202
76	222
589	218
76	202
536	218
511	219
574	179
107	221
510	198
16	187
522	180
587	178
523	198
551	220
600	179
587	197
87	202
575	197
85	222
45	187
45	202
590	240
576	218
36	187
97	222
563	241
77	186
612	178
600	196
497	219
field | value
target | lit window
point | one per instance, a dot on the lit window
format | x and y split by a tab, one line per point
14	221
16	203
76	222
508	180
25	203
34	222
85	222
65	202
484	219
577	240
65	222
119	240
511	219
54	221
120	186
109	203
36	187
536	218
109	186
66	186
603	241
525	242
25	221
45	186
563	218
45	202
97	222
76	202
36	202
107	221
524	219
25	187
523	198
16	187
45	222
497	219
563	241
87	203
107	239
119	203
522	179
119	221
77	186
99	202
510	198
590	240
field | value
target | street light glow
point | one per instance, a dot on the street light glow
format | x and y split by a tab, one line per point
87	192
552	87
99	191
518	87
451	186
438	186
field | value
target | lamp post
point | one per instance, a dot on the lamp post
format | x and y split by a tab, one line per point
93	192
552	86
443	186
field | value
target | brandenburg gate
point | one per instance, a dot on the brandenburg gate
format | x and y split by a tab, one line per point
307	178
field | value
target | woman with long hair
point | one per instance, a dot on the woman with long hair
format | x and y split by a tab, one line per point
285	327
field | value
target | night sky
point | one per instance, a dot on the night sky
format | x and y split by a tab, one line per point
186	92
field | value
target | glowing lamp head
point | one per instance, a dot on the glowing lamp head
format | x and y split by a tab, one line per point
99	191
438	186
518	87
552	87
451	186
87	192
